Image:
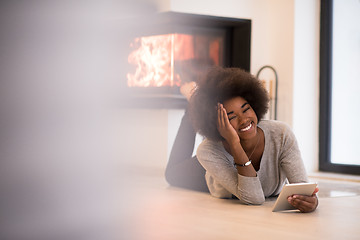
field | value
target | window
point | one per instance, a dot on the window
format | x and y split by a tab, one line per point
339	86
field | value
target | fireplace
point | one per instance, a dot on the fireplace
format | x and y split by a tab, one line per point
168	49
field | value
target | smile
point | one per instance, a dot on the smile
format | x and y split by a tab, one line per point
246	129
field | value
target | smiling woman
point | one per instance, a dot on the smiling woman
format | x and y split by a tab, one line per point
244	156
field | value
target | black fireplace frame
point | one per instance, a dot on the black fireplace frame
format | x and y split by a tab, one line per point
237	51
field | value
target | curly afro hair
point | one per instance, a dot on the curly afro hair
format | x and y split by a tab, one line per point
221	84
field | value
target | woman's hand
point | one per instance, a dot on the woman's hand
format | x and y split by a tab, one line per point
224	127
304	203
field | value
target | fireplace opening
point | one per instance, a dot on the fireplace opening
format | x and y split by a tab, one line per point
165	60
171	48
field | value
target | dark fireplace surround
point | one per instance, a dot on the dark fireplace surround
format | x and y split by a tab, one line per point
181	45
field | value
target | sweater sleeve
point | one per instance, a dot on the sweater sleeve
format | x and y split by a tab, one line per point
222	178
290	158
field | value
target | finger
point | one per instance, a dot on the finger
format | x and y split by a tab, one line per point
307	205
223	115
218	115
225	118
315	191
310	199
297	204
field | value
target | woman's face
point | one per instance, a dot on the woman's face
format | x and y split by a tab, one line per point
242	117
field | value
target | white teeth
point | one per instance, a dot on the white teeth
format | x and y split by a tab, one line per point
247	128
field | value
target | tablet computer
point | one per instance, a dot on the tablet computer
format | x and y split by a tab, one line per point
282	203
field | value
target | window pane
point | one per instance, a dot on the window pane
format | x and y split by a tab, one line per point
345	131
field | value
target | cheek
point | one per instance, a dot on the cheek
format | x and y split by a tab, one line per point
233	124
253	115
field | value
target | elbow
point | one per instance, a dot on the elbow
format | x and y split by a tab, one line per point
259	201
255	200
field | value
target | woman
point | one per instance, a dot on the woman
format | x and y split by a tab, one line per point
244	156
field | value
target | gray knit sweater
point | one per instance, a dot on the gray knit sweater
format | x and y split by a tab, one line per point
280	163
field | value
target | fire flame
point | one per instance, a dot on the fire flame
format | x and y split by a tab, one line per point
155	57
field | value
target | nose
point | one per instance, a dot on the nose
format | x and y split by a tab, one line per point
242	121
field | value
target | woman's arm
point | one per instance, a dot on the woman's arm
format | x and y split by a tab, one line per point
291	162
222	177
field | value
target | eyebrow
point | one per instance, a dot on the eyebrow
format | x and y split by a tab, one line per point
244	104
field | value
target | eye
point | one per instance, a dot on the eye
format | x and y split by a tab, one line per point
246	109
231	118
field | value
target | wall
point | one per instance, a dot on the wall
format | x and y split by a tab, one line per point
306	80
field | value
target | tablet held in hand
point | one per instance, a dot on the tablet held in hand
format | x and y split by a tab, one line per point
282	203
